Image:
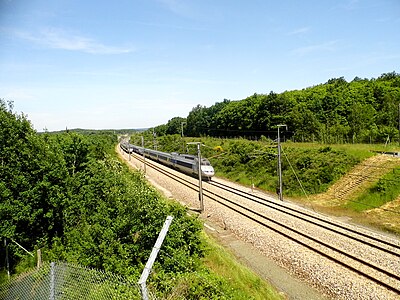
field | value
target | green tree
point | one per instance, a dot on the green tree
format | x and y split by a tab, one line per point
75	149
174	126
32	182
197	121
306	123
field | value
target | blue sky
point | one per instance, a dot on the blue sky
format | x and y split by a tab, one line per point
139	63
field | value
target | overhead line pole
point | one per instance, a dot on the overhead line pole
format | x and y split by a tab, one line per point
279	162
183	144
144	157
7	259
200	182
199	172
154	140
182	123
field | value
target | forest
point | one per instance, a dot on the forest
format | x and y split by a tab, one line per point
360	111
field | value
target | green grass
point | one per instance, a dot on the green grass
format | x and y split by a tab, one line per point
3	276
386	189
244	283
360	151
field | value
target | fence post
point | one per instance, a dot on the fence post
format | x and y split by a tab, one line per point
39	259
152	258
7	260
52	281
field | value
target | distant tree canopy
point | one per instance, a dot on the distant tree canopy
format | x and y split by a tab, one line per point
174	126
363	110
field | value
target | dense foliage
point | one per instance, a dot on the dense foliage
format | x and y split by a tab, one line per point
250	162
67	195
360	111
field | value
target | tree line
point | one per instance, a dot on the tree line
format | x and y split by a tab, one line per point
360	111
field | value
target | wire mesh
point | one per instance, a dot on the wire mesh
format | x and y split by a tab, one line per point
56	281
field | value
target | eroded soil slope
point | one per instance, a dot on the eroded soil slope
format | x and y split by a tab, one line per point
361	177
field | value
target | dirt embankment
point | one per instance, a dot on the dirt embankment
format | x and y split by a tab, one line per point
360	178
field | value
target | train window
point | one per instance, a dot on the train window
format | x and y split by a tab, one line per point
185	164
191	157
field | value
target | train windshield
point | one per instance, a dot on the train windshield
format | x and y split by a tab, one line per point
205	162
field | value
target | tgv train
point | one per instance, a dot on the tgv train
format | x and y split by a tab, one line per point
185	163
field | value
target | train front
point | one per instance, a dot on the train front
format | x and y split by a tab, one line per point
207	170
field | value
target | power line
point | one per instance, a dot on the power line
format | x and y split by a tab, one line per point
298	179
373	206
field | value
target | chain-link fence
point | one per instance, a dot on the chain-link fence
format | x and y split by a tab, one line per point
56	281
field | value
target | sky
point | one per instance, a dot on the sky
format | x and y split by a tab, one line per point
139	63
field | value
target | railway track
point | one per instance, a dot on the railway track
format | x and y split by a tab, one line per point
370	255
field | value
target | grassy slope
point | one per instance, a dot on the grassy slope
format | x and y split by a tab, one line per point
246	284
374	202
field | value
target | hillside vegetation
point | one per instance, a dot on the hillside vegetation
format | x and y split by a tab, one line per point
351	180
